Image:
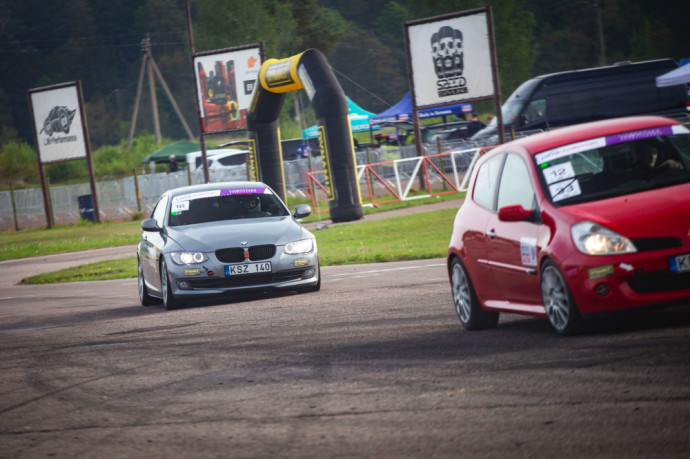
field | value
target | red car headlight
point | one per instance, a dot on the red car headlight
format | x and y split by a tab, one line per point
593	239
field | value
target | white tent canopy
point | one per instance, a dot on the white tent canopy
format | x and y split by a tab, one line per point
681	75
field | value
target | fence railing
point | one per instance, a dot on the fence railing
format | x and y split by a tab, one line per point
121	199
405	179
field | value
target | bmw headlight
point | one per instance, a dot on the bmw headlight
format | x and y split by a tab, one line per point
188	258
301	246
594	239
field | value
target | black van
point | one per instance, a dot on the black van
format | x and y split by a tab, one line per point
562	99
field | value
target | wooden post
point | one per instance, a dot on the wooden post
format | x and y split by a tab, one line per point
136	190
14	208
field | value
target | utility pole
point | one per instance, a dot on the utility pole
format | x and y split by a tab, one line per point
600	33
148	65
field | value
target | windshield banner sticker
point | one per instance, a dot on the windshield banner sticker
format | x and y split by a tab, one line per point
248	190
638	135
224	192
566	150
198	195
599	142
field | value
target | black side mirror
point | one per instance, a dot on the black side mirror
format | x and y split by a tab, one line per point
150	225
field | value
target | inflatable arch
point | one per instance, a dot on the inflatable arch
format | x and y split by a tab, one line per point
309	71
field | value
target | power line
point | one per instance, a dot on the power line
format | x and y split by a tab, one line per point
11	48
360	86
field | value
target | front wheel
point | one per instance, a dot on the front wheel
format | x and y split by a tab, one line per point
561	310
467	306
144	297
169	301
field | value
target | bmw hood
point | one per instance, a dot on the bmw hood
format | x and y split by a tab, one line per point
208	237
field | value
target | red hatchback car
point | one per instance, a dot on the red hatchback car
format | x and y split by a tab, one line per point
581	220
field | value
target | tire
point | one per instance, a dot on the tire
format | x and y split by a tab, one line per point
561	310
467	306
169	301
144	297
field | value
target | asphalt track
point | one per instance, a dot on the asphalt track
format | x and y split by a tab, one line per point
375	364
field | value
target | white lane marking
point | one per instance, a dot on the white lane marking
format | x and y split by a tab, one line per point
368	273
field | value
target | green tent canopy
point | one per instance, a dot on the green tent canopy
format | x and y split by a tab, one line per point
179	149
359	121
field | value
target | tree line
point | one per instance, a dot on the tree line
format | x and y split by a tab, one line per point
99	43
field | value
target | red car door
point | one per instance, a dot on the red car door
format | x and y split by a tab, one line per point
512	250
475	215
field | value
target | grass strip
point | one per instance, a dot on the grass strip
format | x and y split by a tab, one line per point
418	236
87	235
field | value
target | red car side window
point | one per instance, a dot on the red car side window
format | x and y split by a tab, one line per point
516	186
486	183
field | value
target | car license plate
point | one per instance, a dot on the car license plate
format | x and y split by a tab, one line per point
680	263
248	268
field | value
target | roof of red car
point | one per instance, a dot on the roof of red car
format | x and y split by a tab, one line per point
571	134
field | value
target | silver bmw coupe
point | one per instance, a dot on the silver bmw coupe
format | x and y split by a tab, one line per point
213	240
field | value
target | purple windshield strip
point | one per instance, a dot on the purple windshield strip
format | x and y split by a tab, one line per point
249	190
639	135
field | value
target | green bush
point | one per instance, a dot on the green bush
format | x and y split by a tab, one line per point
18	163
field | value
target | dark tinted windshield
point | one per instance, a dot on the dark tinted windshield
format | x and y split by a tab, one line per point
616	165
228	204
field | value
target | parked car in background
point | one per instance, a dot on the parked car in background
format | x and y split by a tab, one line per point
581	220
579	96
217	239
229	159
193	159
233	162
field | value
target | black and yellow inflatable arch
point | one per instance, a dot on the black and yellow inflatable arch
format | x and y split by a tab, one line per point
309	71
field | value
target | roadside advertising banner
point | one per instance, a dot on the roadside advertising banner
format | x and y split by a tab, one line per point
57	120
225	80
450	59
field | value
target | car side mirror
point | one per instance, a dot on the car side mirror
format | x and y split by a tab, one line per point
150	224
302	210
517	213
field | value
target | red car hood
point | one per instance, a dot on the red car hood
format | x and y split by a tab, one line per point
655	213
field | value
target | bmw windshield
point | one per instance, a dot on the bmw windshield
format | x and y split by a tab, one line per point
225	204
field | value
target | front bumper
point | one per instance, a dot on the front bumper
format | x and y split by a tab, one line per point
208	279
610	283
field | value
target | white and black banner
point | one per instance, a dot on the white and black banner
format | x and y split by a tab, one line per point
58	123
451	59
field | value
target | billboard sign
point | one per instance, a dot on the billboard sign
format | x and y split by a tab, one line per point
225	80
450	58
58	123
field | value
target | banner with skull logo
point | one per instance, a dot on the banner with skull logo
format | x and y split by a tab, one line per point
450	59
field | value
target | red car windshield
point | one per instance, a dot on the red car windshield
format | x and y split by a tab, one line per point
615	165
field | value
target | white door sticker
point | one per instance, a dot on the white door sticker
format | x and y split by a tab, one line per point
528	251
